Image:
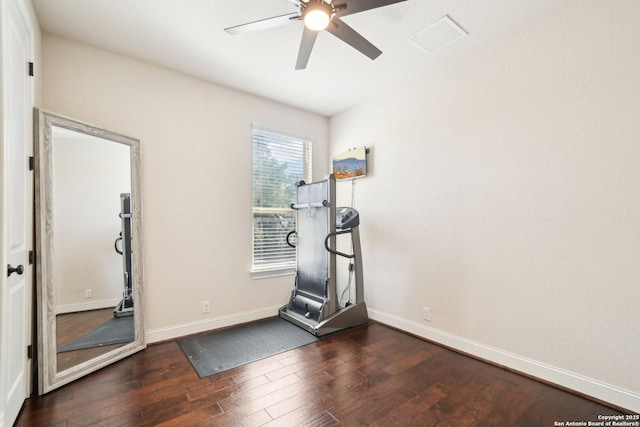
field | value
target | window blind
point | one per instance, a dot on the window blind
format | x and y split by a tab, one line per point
279	161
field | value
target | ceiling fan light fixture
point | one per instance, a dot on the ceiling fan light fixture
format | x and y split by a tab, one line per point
317	16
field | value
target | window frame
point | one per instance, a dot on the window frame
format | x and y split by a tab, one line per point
265	135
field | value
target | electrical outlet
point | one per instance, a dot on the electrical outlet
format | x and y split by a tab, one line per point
426	313
88	293
206	307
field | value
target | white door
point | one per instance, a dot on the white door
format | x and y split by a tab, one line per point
16	192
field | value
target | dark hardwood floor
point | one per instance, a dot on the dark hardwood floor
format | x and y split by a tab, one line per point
373	376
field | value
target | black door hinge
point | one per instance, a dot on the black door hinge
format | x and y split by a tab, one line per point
32	163
32	257
31	69
30	352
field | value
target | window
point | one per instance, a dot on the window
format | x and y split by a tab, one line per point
279	161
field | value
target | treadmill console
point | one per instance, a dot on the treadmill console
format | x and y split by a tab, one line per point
347	218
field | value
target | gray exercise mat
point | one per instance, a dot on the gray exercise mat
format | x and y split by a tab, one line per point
118	330
221	350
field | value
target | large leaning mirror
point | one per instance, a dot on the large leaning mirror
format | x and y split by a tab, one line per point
88	248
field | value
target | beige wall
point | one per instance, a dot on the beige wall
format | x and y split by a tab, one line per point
504	195
196	178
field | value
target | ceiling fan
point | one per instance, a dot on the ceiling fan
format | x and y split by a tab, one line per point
319	15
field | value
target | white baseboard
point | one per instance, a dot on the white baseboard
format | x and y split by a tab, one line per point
172	332
581	384
86	306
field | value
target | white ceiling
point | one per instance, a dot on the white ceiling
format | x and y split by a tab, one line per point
188	36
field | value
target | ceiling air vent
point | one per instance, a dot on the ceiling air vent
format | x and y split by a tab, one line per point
441	33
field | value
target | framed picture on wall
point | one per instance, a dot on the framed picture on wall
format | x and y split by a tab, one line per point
350	164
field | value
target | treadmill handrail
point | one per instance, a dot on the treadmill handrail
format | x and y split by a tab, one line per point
119	239
288	235
333	251
323	204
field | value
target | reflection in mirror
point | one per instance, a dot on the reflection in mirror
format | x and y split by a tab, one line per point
89	249
89	175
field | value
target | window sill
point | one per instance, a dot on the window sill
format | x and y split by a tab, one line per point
266	274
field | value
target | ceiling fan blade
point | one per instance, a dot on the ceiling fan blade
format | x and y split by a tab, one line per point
352	38
306	45
349	7
262	24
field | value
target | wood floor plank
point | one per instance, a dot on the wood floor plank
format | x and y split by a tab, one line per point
304	417
373	376
188	414
372	400
415	410
310	390
262	396
517	404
